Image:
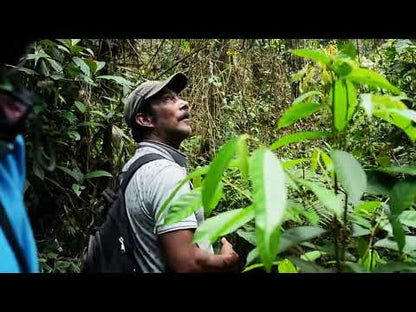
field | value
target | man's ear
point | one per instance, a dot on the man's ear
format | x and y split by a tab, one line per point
144	120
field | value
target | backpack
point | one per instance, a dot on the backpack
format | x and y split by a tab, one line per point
110	247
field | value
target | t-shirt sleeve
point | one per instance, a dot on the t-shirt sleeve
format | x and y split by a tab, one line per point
161	187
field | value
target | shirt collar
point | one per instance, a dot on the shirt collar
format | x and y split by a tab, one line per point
179	157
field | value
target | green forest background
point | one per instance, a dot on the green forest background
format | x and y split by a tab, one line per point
78	141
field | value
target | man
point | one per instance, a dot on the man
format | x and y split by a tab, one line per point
18	252
159	120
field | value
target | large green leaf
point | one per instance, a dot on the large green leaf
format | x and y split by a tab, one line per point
368	77
295	236
307	266
97	174
184	206
403	194
298	137
398	232
296	112
399	169
351	175
82	65
80	106
196	173
327	197
269	201
408	218
396	118
409	247
314	55
222	224
215	172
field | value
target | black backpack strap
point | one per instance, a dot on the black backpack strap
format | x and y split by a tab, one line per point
136	165
11	237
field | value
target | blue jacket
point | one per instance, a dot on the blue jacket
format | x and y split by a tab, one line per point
12	181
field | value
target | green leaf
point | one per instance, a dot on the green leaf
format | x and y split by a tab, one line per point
98	174
269	201
184	206
252	255
368	77
295	236
222	224
215	172
409	247
76	174
403	194
314	55
296	112
100	65
398	232
24	69
38	171
77	189
196	173
248	236
308	267
293	162
352	99
286	266
408	218
338	95
91	64
298	137
315	159
327	197
118	79
80	106
74	135
396	267
311	255
400	169
305	96
367	208
55	65
350	174
347	49
82	65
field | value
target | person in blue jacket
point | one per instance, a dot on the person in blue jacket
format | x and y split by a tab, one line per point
18	252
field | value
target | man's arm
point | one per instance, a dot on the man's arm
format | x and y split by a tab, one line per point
184	256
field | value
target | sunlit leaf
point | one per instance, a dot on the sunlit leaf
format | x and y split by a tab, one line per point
222	224
286	266
215	172
184	206
296	112
305	96
314	55
371	78
351	175
269	201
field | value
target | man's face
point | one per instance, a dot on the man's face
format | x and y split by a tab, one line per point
171	119
12	117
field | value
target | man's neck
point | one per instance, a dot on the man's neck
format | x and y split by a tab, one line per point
159	139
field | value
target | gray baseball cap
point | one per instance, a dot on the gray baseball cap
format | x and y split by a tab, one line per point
146	90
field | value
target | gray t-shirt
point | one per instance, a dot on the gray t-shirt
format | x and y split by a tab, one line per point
147	190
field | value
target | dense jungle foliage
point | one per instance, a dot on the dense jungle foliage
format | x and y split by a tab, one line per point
302	151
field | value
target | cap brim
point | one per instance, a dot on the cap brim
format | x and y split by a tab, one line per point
176	83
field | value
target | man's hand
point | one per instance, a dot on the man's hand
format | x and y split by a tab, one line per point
231	258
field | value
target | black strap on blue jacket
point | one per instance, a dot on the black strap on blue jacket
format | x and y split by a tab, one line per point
13	242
